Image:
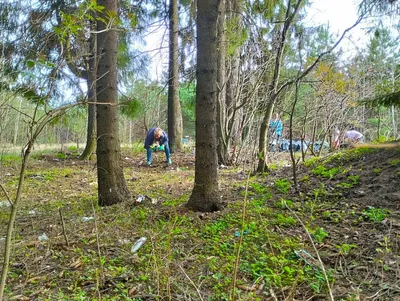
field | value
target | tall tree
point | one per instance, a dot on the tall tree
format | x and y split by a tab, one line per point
205	192
232	36
92	96
390	8
223	140
112	187
292	10
174	106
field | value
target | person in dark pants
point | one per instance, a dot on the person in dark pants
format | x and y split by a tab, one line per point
157	140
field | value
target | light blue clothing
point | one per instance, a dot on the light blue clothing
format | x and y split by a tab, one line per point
276	126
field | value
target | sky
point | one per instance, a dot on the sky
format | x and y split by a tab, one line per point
339	14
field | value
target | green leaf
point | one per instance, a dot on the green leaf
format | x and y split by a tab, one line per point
30	64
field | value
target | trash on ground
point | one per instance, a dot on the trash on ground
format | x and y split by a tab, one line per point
140	198
5	204
43	237
307	258
237	233
138	244
87	218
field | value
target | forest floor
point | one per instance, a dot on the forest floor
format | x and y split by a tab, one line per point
336	237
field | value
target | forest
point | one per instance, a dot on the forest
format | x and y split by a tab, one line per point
263	195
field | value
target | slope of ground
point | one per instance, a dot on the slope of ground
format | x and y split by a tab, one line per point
334	237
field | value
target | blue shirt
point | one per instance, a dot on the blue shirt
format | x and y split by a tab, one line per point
150	139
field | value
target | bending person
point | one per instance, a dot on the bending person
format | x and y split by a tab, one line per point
157	140
354	136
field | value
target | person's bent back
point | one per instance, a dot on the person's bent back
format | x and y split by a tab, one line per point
354	136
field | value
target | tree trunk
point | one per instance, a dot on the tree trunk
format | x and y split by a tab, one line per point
174	106
234	8
272	87
394	124
205	192
91	83
16	126
263	139
112	187
222	137
91	131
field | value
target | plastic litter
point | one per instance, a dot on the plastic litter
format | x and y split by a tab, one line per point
138	244
307	258
43	237
5	204
237	233
87	218
140	198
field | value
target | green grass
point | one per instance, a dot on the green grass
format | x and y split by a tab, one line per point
183	245
7	159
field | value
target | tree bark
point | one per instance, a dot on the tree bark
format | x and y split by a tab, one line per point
174	106
223	138
91	83
205	192
234	108
112	187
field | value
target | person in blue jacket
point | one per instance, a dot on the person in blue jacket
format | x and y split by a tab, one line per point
157	140
276	127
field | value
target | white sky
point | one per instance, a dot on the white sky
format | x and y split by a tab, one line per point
340	15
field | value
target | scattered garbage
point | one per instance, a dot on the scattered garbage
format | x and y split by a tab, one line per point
43	237
307	258
138	244
87	218
237	233
5	204
185	140
140	198
31	212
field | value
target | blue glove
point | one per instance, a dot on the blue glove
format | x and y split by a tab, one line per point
161	148
154	148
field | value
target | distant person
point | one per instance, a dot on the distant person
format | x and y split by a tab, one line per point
157	140
276	127
336	139
353	136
